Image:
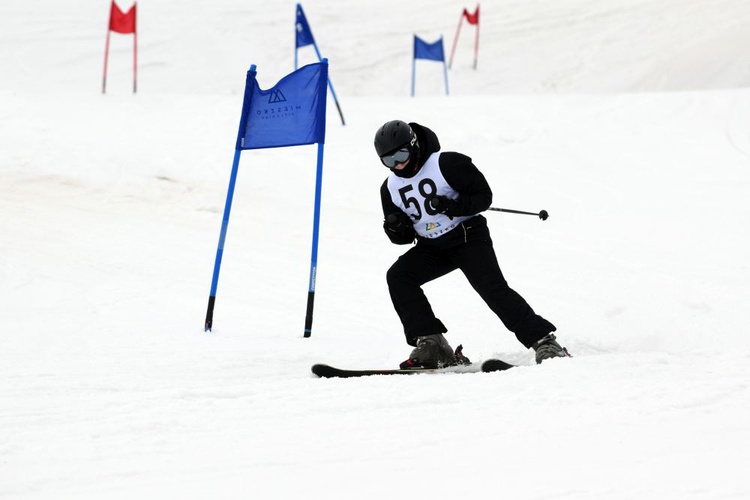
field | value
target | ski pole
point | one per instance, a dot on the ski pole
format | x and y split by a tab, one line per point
435	202
542	215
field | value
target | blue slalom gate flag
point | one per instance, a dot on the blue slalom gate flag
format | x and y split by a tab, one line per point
304	35
291	113
431	51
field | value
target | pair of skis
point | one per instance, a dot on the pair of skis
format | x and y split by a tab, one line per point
490	365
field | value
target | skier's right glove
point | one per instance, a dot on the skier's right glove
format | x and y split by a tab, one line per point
399	228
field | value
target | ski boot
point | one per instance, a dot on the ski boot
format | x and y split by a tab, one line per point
547	347
432	351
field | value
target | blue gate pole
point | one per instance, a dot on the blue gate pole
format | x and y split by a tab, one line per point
222	238
413	70
445	72
228	204
330	85
316	231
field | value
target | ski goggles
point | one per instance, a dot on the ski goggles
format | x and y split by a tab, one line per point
400	156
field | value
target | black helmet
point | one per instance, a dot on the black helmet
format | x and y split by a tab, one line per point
394	135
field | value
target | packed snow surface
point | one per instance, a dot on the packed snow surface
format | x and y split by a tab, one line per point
627	120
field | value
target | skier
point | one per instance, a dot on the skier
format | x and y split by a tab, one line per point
435	197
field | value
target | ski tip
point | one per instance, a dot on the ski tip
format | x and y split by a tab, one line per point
495	365
322	370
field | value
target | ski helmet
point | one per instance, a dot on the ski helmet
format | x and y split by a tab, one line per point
394	135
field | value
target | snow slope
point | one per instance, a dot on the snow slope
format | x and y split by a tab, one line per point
626	120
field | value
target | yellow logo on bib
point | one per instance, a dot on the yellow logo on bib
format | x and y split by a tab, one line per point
432	225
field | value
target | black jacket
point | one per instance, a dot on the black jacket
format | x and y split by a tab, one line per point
475	194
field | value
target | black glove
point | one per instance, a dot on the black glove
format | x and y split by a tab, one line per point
444	205
397	222
399	228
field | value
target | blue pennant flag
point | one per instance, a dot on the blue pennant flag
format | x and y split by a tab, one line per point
304	33
291	113
431	51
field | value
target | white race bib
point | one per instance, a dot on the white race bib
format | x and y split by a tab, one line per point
411	195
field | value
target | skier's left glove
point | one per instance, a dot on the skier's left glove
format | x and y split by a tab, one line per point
444	205
399	228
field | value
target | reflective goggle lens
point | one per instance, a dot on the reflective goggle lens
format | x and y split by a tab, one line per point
399	156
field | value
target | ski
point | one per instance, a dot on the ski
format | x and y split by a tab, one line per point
490	365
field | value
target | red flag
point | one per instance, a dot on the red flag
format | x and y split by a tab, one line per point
122	23
472	18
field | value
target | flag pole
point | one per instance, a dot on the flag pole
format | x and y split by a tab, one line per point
445	74
310	40
445	68
476	40
455	40
315	238
106	57
222	238
135	60
330	85
208	325
336	101
413	65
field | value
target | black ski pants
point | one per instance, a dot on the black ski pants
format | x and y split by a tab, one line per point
468	248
